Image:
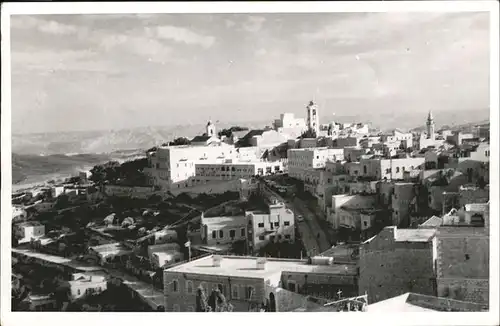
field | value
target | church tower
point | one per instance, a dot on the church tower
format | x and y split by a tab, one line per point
313	117
430	126
210	129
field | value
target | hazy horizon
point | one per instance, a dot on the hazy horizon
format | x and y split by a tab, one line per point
101	72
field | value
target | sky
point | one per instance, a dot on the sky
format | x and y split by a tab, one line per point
90	72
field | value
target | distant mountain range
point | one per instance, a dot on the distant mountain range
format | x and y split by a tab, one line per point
100	142
39	157
405	120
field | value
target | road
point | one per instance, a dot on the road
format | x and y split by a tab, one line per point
309	228
312	220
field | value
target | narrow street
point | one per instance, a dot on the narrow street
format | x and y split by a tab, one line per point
312	220
309	228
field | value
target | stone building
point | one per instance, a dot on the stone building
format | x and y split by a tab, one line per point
463	254
397	261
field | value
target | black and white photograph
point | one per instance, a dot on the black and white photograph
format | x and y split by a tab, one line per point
254	157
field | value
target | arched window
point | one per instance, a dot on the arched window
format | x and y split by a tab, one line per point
175	286
189	287
221	234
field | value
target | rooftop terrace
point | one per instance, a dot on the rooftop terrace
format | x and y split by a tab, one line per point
237	266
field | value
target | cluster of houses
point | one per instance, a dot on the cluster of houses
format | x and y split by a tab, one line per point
416	206
43	198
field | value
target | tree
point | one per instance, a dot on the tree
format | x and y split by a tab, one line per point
308	134
201	300
216	302
229	131
179	141
62	201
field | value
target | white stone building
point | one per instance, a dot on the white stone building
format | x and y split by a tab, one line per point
171	167
305	159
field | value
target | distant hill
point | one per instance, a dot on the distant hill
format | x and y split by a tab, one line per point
465	127
106	141
136	139
409	120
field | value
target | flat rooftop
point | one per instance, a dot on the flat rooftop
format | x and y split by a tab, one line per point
414	235
237	266
227	221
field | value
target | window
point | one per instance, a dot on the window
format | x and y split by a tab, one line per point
260	225
189	287
287	236
292	286
397	169
250	291
277	224
365	223
175	286
242	232
214	234
286	223
235	291
78	292
176	308
221	234
232	233
261	237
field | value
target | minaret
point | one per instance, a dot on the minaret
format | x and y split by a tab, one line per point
210	129
313	117
430	126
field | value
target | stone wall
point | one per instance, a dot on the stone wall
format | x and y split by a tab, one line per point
211	188
389	269
463	263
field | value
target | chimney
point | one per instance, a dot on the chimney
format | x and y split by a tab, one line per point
216	260
392	230
261	263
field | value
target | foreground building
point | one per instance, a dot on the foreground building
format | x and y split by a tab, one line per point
397	261
463	254
247	282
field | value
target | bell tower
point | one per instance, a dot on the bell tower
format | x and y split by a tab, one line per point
313	117
210	129
430	126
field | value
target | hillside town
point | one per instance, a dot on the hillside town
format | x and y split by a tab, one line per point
297	216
